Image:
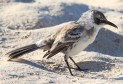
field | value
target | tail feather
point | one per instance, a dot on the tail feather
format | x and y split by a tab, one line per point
20	51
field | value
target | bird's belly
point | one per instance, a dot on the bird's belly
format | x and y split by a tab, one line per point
79	46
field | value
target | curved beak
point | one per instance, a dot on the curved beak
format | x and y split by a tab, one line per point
110	23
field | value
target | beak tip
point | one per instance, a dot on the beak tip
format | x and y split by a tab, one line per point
111	24
116	26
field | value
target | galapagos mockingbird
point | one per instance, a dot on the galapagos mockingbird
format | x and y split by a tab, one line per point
71	39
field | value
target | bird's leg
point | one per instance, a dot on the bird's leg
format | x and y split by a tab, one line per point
66	61
77	65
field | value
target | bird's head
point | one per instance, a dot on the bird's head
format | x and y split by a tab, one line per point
100	19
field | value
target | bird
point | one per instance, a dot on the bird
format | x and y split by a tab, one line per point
70	40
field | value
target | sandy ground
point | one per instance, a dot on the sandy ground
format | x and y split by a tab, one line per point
23	23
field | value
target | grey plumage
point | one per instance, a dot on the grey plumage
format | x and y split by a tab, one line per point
71	39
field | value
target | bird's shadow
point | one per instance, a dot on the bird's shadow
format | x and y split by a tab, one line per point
95	66
92	66
119	78
25	1
43	65
32	63
107	42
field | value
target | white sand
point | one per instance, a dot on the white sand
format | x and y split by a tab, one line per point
104	58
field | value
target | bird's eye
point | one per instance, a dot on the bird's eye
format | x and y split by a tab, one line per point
98	16
97	20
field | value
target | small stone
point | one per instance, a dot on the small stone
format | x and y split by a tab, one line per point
73	80
51	81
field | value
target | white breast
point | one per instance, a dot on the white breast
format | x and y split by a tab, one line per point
81	44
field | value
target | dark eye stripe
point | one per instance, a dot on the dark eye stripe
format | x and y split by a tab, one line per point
99	17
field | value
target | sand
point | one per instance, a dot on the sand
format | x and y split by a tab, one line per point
26	22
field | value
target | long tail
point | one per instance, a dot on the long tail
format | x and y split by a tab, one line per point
43	44
23	50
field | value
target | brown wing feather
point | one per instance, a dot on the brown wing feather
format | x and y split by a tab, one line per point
64	38
59	47
54	52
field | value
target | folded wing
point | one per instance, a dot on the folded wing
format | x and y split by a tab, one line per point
65	38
